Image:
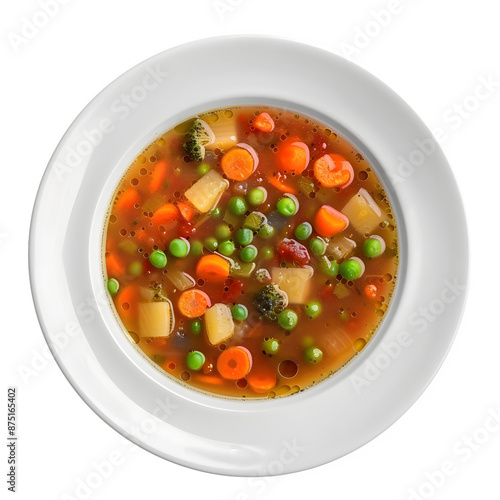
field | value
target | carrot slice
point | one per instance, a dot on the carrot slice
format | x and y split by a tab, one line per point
186	210
234	363
158	176
333	170
127	200
293	156
277	181
210	379
213	268
114	266
165	214
193	303
127	302
264	122
239	162
262	379
329	221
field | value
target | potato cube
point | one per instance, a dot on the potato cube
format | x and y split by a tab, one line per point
206	192
340	247
294	281
363	213
219	323
155	319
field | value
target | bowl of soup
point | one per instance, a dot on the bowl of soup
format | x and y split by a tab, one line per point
237	266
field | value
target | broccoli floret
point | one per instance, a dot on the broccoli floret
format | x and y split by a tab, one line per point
270	301
197	137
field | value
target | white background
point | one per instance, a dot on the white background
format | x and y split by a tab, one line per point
433	54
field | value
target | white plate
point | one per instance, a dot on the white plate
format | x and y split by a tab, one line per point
229	436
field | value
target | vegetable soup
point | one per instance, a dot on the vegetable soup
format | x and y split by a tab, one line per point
250	252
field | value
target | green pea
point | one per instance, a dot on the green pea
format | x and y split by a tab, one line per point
196	248
317	246
158	259
222	232
267	253
113	286
288	319
179	247
244	236
330	268
216	212
313	309
248	253
313	355
266	231
135	269
226	248
350	269
203	169
270	346
211	243
196	326
257	196
237	205
195	360
303	231
372	247
286	206
239	312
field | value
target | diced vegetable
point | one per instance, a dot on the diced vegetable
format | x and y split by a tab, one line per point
270	301
278	181
329	221
182	281
158	176
213	268
371	291
294	281
264	122
128	246
219	323
293	251
263	380
255	221
293	156
277	221
186	210
225	134
240	162
193	303
206	192
243	269
342	291
333	170
166	214
340	247
156	319
234	363
197	137
363	212
127	200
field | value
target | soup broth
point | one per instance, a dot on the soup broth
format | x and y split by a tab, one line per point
250	252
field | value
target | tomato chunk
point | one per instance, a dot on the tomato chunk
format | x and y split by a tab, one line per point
292	250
